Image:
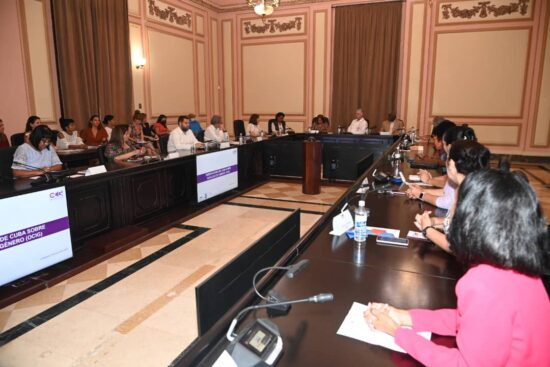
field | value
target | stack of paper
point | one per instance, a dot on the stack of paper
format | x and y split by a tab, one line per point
355	326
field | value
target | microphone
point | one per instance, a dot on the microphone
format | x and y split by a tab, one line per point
294	269
318	298
47	175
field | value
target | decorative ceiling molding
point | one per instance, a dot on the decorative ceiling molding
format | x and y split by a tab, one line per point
484	9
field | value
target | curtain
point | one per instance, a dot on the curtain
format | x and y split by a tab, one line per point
365	62
93	58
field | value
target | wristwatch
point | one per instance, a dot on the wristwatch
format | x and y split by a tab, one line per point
426	230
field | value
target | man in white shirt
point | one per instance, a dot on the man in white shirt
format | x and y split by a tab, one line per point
359	125
215	131
182	137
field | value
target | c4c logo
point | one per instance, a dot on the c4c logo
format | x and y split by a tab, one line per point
57	194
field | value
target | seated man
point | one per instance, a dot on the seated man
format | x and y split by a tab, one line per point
393	125
359	125
215	131
277	125
35	157
182	137
194	124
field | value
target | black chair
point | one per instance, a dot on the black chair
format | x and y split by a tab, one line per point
101	154
17	139
238	128
163	142
200	136
6	160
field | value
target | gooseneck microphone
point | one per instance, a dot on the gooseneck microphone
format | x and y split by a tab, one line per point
47	174
318	298
292	271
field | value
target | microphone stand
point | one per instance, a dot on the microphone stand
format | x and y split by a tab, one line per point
48	176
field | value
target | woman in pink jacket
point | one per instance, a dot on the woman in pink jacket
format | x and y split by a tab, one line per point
503	311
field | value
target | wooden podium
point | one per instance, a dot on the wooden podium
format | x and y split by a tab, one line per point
312	167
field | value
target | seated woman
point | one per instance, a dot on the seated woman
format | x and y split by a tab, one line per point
119	149
109	123
442	198
32	122
95	134
393	125
4	142
320	123
465	157
253	130
136	135
160	127
36	157
68	138
503	311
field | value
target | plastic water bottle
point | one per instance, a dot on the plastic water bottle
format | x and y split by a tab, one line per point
360	229
241	139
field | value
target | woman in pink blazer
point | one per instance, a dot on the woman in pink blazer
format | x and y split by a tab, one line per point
503	311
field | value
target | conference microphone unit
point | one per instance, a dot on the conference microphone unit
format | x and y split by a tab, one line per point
294	269
318	298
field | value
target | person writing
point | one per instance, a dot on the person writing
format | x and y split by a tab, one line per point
215	131
253	130
359	125
69	139
119	149
4	142
36	153
277	125
95	134
182	137
465	157
503	311
393	125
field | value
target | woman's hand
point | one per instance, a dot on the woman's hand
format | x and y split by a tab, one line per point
421	221
378	318
425	176
414	192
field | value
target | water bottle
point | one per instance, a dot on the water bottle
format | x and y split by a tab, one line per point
241	139
360	230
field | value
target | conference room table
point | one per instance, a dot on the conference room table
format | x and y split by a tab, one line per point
417	276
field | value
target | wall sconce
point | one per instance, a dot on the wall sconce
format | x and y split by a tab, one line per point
140	62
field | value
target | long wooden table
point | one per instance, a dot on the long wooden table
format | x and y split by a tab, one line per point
420	275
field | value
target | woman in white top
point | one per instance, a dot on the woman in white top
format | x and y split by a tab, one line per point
253	130
68	138
36	157
215	131
182	137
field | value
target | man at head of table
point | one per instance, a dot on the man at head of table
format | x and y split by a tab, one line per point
359	125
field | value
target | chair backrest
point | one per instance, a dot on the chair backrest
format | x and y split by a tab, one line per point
238	128
101	154
17	139
163	142
200	136
6	160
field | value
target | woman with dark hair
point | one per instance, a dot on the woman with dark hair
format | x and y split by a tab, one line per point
277	125
36	153
320	124
442	198
95	134
32	122
4	142
503	311
253	130
69	139
119	147
465	157
160	127
109	123
437	135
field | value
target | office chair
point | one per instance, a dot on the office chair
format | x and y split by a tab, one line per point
200	136
101	154
238	128
6	160
163	143
17	139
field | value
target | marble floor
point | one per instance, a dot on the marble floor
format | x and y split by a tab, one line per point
138	308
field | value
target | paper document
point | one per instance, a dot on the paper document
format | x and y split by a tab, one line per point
412	183
384	232
354	326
